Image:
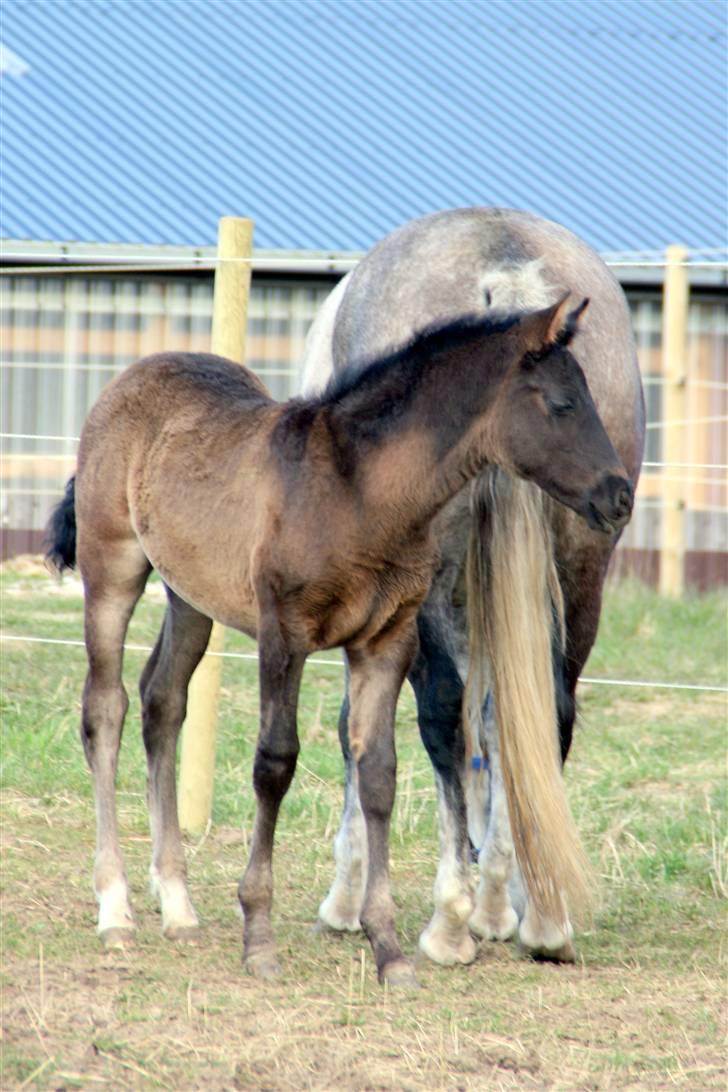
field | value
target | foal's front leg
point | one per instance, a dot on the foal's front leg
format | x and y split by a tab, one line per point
376	680
275	763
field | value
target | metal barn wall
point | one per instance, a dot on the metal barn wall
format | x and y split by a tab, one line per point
701	473
63	337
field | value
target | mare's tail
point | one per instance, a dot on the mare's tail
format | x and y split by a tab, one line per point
516	610
61	531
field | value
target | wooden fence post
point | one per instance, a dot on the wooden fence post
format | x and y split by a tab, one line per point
674	408
229	327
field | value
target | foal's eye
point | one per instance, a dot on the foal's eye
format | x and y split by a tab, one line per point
561	409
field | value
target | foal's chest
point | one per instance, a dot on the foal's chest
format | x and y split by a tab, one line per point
358	604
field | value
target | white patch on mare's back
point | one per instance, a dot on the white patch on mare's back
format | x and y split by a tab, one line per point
517	287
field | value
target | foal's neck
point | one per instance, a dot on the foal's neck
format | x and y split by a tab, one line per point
412	430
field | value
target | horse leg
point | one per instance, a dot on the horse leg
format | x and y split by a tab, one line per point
163	689
494	917
376	680
439	692
114	576
340	909
275	763
586	569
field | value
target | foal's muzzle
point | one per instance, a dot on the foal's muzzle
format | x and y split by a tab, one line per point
610	504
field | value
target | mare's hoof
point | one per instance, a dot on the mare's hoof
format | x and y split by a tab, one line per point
490	927
262	965
566	953
447	951
185	934
341	926
117	936
399	975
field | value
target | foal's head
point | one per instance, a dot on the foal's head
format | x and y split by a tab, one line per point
548	427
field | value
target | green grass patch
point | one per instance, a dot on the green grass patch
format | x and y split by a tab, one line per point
643	1007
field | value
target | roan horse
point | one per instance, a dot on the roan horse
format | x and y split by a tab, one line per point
307	524
514	605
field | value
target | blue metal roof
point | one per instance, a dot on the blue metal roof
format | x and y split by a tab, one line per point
330	121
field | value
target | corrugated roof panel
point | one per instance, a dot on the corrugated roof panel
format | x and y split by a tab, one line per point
330	123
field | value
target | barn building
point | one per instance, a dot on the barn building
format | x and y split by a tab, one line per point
129	129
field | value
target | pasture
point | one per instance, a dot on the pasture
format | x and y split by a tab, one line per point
642	1008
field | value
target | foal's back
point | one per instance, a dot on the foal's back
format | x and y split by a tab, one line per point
166	468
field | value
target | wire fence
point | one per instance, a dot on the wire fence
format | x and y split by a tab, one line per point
321	662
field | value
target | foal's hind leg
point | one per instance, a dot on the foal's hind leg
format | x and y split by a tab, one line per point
163	688
114	576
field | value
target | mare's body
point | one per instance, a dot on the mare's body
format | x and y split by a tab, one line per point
307	525
515	602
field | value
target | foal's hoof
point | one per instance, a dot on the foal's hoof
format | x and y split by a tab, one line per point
262	965
184	934
399	975
565	953
117	936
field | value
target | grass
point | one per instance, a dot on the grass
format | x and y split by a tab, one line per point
642	1008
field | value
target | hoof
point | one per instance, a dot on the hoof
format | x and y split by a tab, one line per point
399	975
492	927
337	925
185	934
262	965
565	953
117	936
447	951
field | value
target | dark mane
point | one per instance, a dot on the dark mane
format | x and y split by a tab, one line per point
410	357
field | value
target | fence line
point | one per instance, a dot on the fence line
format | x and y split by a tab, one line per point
339	663
123	262
645	466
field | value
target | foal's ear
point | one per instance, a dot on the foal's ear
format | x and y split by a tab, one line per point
554	325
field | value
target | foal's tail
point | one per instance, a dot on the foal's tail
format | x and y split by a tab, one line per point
61	531
516	610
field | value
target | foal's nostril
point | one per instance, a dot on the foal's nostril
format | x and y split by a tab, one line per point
624	498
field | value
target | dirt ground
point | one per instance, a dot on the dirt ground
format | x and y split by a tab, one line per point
185	1017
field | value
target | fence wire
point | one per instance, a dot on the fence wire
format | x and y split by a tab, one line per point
339	663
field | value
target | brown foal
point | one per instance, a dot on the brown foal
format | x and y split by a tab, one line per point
306	524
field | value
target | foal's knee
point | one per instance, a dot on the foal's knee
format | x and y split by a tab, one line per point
273	771
161	710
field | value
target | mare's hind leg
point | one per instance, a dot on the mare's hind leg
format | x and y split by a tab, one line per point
114	575
439	692
163	689
275	763
585	568
341	908
494	916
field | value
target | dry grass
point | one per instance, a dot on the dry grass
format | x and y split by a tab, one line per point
644	1008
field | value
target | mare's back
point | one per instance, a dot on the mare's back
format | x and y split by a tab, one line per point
475	260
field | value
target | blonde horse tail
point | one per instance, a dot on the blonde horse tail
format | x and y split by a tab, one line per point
514	602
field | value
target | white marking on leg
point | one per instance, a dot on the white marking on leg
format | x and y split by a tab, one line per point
114	909
178	914
494	917
341	907
447	939
543	937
